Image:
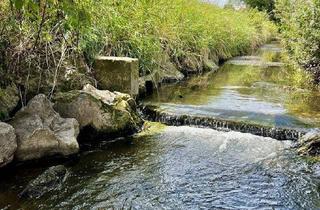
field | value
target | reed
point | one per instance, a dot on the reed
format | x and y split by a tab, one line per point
41	40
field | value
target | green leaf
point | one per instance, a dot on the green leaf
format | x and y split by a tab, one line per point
33	6
18	4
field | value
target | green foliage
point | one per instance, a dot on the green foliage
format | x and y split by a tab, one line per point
41	40
8	101
262	5
301	32
184	30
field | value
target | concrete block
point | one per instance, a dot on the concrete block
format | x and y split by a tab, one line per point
117	74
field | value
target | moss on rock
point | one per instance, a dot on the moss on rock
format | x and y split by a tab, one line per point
151	128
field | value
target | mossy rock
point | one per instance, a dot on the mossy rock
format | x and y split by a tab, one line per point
104	112
151	128
67	97
309	145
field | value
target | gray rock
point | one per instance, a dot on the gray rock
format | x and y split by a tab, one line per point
309	144
42	132
150	82
51	179
8	143
167	72
104	111
171	76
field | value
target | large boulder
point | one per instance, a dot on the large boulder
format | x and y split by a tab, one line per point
51	179
309	144
42	132
101	110
8	143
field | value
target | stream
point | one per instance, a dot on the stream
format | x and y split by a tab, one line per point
252	89
190	167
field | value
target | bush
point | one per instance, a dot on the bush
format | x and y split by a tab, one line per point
42	40
39	40
262	5
301	32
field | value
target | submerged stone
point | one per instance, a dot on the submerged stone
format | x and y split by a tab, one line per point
101	111
42	132
51	179
117	74
253	61
8	143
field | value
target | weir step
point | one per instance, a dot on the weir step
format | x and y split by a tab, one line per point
153	113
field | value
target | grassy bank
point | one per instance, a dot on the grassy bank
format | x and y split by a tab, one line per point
41	41
301	33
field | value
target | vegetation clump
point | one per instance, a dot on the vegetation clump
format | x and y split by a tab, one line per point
42	42
8	101
262	5
300	31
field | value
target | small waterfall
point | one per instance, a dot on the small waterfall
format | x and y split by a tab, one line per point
153	113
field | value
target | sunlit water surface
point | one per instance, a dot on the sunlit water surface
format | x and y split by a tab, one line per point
181	168
256	90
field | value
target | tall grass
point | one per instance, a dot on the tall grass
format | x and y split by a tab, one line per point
186	32
41	40
301	33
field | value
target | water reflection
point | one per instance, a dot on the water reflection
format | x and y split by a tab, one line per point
245	92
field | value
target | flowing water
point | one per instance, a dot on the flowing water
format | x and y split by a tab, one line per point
195	168
180	168
252	89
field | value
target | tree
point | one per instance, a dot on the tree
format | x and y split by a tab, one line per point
262	5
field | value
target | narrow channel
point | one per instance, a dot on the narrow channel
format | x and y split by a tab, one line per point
250	89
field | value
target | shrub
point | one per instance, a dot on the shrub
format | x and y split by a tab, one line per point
262	5
301	32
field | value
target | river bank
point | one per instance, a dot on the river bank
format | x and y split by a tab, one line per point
54	53
300	35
